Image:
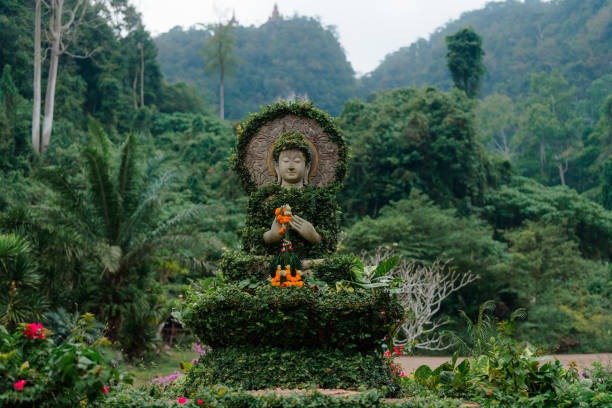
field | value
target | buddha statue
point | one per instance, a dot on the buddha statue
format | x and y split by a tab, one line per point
292	162
313	226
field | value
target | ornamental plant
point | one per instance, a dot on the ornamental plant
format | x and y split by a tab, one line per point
38	372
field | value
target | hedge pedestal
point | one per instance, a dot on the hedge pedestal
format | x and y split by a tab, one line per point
324	334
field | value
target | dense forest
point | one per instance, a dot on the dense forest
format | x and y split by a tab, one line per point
281	59
122	195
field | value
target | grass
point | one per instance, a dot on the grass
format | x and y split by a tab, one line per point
166	363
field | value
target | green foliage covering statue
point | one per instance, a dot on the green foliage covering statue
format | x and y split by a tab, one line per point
292	159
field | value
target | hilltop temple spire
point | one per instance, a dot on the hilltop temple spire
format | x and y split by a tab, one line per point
275	14
233	21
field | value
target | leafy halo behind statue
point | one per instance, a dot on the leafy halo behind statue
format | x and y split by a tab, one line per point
258	134
291	154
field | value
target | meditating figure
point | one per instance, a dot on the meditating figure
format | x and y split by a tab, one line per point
292	162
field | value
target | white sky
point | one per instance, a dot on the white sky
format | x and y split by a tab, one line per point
367	29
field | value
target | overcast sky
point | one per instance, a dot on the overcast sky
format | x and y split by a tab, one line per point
367	29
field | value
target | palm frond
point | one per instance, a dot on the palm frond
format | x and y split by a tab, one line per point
128	180
176	221
17	266
104	193
141	215
109	256
99	137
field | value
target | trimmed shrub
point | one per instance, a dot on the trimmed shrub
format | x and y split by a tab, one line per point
256	368
334	268
238	266
351	319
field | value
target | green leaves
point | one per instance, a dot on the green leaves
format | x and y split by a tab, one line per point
464	60
20	282
233	315
375	276
63	375
413	138
115	208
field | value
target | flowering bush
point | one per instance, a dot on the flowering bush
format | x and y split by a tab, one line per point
34	331
37	372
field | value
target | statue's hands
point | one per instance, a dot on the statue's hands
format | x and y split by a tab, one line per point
273	234
305	229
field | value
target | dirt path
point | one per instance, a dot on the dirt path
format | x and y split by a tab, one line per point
583	361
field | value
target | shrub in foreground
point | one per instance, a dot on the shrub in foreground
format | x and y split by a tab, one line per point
36	371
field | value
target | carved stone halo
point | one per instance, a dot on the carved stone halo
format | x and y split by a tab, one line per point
324	152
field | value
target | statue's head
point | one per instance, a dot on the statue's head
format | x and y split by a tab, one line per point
292	160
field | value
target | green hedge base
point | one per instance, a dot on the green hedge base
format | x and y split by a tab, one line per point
124	396
291	318
259	368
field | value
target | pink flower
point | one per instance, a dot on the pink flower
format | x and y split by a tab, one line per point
34	331
182	400
402	374
105	390
200	402
20	384
387	353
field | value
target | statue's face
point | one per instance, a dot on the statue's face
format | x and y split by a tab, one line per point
292	167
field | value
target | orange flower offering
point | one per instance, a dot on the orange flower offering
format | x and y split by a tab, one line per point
284	278
283	216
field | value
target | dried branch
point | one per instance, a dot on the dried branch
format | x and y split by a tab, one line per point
421	294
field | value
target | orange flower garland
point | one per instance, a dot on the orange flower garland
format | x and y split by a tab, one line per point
290	280
283	216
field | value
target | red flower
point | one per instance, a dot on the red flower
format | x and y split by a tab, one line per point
105	390
34	331
182	400
200	402
19	385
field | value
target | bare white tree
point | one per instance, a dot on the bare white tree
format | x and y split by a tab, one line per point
420	290
61	30
421	293
37	77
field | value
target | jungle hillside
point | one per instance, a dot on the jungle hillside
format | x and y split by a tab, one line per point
487	146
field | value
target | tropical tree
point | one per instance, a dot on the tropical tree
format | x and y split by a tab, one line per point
218	56
550	131
115	209
497	120
464	60
62	28
566	295
20	297
408	138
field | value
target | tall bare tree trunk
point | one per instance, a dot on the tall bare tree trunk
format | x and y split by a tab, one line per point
562	171
134	85
221	100
55	28
37	78
58	46
141	74
542	157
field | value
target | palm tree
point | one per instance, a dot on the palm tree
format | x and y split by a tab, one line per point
20	298
115	208
219	57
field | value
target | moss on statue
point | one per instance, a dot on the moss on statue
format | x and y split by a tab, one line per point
318	205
